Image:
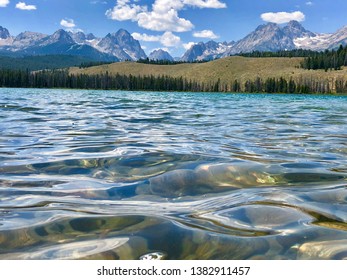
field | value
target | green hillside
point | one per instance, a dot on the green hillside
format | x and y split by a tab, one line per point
226	70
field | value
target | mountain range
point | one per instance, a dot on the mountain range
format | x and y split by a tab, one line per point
269	37
117	46
121	46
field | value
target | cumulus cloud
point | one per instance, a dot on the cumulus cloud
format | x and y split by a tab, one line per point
205	34
309	3
187	46
125	10
167	21
168	39
214	4
4	3
162	15
146	38
23	6
283	17
67	23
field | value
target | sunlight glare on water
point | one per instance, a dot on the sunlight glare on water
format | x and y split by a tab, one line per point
147	175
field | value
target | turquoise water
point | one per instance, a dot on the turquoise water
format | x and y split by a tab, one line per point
138	175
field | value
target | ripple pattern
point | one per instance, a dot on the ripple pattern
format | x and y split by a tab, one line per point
147	175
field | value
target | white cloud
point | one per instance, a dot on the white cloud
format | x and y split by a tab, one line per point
283	17
23	6
67	23
214	4
146	38
166	21
4	3
125	11
187	46
157	49
162	15
168	39
205	34
309	3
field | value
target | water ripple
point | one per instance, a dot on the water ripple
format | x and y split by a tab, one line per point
144	175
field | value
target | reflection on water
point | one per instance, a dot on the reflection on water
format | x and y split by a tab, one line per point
142	175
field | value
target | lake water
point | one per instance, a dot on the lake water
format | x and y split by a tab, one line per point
146	175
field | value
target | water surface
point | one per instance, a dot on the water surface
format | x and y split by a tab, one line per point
138	175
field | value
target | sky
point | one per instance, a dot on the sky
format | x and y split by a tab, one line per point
171	25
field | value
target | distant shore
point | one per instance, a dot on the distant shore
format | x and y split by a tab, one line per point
232	74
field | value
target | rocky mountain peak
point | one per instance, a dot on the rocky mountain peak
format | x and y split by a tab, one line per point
28	38
122	45
268	27
160	55
90	36
61	36
78	37
206	51
295	30
4	34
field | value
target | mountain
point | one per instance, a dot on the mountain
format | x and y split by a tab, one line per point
323	41
206	51
81	38
5	37
60	37
295	30
122	45
271	37
160	55
4	34
26	39
61	43
114	47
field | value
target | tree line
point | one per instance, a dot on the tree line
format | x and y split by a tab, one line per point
327	60
283	53
89	64
63	79
167	62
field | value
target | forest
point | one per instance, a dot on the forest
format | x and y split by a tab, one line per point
62	79
326	60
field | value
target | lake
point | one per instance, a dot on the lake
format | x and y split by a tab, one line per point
148	175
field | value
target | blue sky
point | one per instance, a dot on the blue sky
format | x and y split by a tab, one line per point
172	25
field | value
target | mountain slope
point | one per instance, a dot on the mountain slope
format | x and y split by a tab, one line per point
4	34
114	47
160	55
323	41
61	43
122	45
226	70
206	51
271	37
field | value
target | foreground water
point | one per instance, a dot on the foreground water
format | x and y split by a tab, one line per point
120	175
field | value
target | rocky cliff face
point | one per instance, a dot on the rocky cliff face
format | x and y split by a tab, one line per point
4	34
269	37
206	51
122	45
114	47
160	55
